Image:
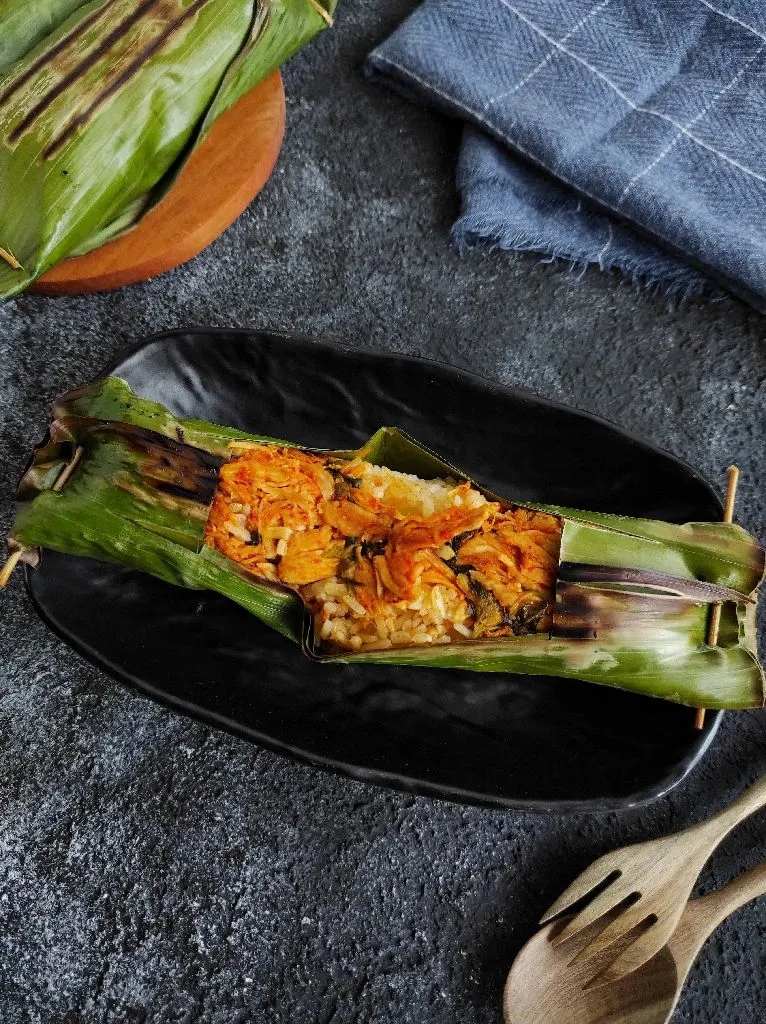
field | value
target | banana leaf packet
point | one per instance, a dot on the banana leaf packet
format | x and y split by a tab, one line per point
102	104
119	478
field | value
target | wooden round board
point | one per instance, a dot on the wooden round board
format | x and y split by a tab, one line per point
217	184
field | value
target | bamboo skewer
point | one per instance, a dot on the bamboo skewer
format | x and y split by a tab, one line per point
731	494
10	565
715	614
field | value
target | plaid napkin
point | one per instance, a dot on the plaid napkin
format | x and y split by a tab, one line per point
627	133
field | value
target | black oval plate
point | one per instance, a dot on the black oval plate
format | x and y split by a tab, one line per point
509	741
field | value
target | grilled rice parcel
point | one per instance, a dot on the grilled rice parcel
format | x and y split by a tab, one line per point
389	554
102	103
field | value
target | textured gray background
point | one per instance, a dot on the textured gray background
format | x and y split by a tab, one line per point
152	869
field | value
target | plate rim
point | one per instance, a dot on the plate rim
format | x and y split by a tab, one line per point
512	389
380	777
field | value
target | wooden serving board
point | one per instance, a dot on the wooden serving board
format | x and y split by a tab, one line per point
220	180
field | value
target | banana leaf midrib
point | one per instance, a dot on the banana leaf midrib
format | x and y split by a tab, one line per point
587	574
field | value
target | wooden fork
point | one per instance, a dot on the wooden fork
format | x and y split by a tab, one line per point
653	882
543	986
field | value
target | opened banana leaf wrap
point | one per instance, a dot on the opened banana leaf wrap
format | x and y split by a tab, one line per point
102	103
121	479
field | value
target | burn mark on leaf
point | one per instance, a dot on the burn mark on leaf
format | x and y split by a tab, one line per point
117	73
170	466
584	612
48	58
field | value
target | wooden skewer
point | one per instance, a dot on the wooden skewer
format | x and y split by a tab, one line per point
715	613
10	565
731	494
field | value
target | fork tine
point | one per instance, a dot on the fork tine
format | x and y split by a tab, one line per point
631	918
606	900
584	884
639	952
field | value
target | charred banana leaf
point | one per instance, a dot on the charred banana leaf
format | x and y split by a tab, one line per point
102	103
633	596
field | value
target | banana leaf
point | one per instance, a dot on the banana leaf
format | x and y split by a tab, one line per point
633	596
22	25
109	100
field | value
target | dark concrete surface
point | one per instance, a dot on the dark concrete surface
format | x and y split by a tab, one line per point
152	869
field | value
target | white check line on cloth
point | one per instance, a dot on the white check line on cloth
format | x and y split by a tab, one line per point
730	17
549	56
492	129
623	96
705	110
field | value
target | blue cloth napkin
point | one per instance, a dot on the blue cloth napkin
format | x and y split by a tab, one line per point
627	133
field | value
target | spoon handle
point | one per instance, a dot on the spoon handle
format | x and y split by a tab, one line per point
719	826
704	915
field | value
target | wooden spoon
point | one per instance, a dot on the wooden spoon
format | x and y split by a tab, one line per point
544	986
